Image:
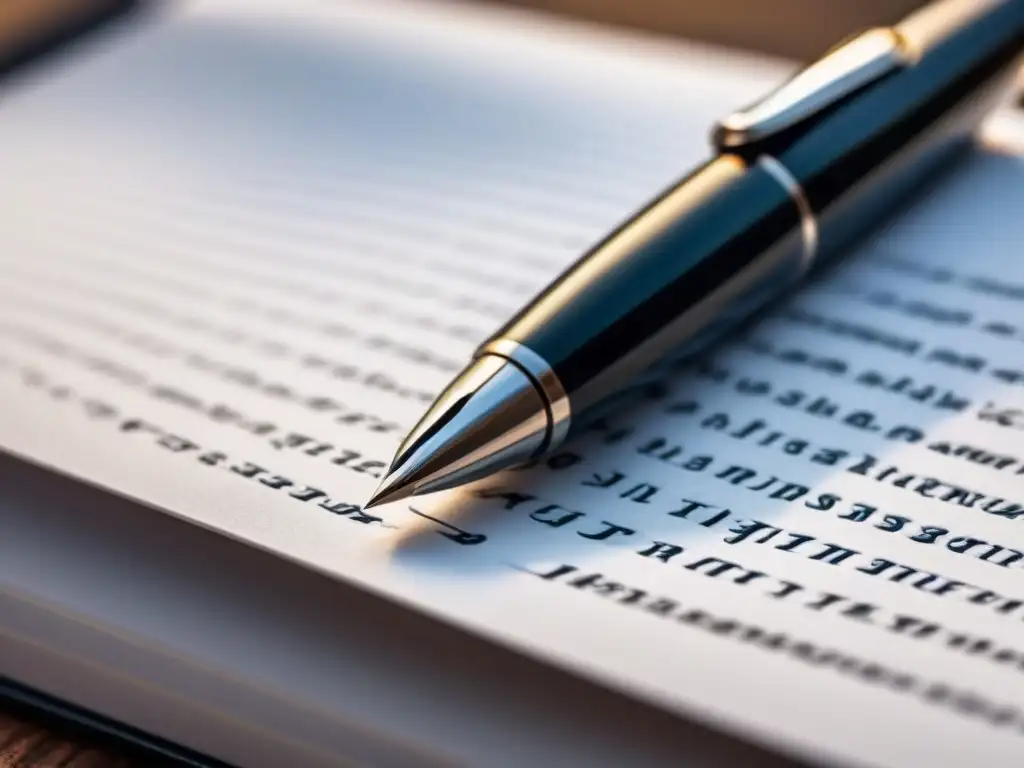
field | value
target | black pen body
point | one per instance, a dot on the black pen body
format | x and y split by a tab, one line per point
863	159
728	238
704	254
799	176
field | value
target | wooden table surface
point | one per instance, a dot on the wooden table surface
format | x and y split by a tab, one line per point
25	744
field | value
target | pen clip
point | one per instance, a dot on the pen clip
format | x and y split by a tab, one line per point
842	71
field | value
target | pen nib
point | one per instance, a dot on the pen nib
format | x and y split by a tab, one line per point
491	417
393	487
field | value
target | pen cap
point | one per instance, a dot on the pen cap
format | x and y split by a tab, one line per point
864	157
713	247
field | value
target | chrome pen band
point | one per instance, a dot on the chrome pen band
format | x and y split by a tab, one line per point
537	368
808	224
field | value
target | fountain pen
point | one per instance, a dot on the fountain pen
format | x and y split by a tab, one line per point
794	179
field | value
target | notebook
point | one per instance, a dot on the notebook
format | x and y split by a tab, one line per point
247	242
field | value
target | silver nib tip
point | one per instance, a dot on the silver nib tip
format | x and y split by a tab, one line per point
491	417
391	488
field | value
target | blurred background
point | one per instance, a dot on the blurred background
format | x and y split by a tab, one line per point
797	29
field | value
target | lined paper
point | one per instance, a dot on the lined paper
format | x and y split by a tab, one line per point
247	242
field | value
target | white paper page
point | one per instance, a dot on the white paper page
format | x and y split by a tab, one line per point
244	246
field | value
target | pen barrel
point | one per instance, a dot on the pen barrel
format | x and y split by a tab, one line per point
703	255
867	157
